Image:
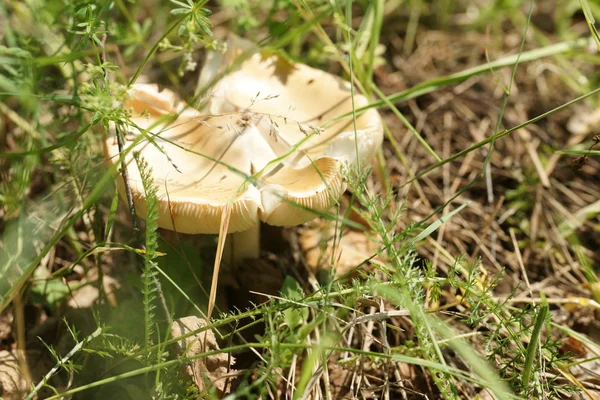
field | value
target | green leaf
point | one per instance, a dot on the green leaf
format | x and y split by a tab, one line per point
179	11
182	5
51	291
581	152
15	51
434	226
295	315
532	347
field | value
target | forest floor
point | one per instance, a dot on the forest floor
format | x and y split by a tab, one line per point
464	265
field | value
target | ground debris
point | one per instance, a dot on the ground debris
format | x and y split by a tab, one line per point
12	382
583	121
322	247
88	292
207	372
6	321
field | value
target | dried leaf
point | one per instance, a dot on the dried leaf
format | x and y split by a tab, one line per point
86	293
12	382
351	250
573	346
206	372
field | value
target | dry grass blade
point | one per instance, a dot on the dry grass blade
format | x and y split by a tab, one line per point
225	217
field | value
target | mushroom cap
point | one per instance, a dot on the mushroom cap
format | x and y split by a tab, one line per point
297	99
257	145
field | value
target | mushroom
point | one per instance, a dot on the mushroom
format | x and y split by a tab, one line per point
260	144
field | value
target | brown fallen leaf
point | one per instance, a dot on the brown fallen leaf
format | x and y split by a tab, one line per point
317	244
206	372
84	291
573	346
87	293
339	380
12	383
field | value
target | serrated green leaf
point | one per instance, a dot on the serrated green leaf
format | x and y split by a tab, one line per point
295	315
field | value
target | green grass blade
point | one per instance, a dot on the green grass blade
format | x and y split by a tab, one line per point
532	348
594	153
441	82
500	135
434	226
591	21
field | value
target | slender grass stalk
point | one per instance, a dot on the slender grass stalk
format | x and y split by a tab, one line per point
153	50
377	7
435	84
591	21
77	348
406	123
582	152
293	346
534	340
500	135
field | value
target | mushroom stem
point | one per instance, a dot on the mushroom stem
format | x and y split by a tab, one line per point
243	245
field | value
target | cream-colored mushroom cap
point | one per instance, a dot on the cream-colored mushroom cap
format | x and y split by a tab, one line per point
288	99
257	145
